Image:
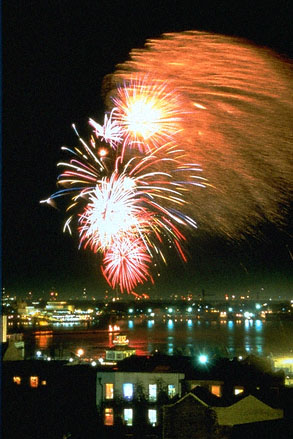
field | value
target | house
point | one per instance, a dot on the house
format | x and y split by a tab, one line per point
189	417
247	410
13	349
193	417
123	395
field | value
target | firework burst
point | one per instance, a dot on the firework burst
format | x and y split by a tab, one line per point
112	211
110	132
138	201
238	124
150	112
126	263
126	207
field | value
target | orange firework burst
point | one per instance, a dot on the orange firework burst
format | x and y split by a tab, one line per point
149	111
235	119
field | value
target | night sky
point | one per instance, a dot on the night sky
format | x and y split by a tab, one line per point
55	55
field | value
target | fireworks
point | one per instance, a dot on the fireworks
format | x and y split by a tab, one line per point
111	131
235	111
149	112
186	99
123	205
126	264
110	213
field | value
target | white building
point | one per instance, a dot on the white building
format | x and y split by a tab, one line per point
122	386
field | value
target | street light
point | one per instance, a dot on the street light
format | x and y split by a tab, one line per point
80	352
203	359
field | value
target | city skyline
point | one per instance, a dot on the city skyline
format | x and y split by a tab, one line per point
54	64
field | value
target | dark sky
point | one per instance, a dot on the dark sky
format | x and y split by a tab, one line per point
55	55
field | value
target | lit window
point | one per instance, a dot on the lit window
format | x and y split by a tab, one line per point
171	390
128	390
34	381
109	416
128	415
152	392
109	394
44	383
238	390
216	390
152	415
17	380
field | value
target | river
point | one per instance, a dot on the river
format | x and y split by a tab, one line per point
187	337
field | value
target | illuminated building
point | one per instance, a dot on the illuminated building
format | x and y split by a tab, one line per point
284	363
117	394
216	387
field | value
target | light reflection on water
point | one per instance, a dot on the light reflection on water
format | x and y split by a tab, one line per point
226	338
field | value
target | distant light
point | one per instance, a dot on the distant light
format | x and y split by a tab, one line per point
170	310
189	309
101	360
150	310
240	357
93	363
287	361
49	359
170	323
80	352
38	354
70	360
203	359
189	322
130	310
230	309
103	152
257	306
